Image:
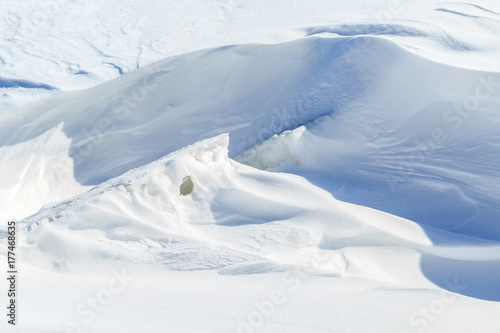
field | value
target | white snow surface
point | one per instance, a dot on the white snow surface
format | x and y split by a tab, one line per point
344	158
50	46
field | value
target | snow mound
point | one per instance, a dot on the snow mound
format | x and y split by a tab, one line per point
35	35
334	128
238	220
385	128
143	210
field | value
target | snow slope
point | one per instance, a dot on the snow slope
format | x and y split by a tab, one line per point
240	221
389	113
325	167
58	45
430	155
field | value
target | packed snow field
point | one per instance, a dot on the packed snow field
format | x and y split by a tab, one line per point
237	166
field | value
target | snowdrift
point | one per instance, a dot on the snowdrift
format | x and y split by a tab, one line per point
143	217
351	170
239	221
65	45
389	129
145	206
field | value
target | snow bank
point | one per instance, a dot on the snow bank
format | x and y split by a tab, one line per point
70	45
391	128
137	232
237	222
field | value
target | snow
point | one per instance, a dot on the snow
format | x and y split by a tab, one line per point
71	44
286	229
236	166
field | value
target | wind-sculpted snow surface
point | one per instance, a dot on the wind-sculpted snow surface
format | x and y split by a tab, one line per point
73	44
238	221
344	180
422	144
250	91
403	134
